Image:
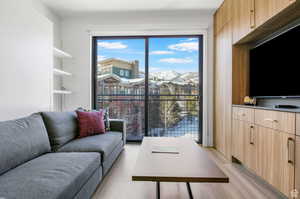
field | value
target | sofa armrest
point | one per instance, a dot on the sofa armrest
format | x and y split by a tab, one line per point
120	126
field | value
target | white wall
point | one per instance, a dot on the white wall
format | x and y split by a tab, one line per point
208	102
57	100
76	37
26	39
55	19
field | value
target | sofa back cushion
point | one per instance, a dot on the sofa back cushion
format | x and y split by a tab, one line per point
22	140
61	127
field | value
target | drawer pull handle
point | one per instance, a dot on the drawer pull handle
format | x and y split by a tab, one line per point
271	120
290	150
242	114
252	14
251	135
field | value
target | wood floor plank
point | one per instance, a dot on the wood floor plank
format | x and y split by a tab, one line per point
242	184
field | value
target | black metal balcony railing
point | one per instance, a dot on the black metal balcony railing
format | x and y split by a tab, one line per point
174	117
139	90
168	115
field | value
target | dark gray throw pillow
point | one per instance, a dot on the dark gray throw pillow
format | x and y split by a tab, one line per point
61	127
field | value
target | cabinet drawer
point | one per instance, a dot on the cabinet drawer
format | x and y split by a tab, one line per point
282	121
298	124
244	114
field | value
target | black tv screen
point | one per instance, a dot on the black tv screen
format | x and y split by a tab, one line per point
275	66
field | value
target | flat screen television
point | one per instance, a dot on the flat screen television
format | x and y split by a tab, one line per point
275	66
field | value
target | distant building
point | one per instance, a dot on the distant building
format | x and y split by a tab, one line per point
121	89
121	68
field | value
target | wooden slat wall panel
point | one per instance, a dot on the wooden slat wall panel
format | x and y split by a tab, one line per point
223	90
223	15
240	73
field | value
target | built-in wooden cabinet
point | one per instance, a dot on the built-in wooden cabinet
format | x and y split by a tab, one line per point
250	147
287	163
266	9
267	149
263	11
244	137
265	141
264	148
248	15
223	15
276	158
239	129
234	20
244	114
298	124
222	90
297	153
297	162
279	5
282	121
243	18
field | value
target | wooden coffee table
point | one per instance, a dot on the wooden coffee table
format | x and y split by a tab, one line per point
191	165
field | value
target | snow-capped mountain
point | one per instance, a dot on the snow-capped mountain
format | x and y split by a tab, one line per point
165	75
175	76
189	75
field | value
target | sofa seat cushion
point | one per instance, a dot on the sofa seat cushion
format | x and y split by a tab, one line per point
103	143
51	176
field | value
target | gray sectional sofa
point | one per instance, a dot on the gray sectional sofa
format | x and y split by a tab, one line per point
42	158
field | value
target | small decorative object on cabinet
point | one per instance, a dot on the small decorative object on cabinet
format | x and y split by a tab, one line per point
250	100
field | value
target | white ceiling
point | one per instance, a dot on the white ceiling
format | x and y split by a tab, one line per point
74	7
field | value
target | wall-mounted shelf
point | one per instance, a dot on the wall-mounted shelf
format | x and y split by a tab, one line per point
61	72
63	92
61	54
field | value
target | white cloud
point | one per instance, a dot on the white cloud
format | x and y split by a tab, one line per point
153	68
191	39
161	52
101	57
112	45
184	46
177	60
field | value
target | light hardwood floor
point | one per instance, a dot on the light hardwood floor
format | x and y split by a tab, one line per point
242	185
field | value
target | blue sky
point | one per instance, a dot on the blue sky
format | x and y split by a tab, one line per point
179	54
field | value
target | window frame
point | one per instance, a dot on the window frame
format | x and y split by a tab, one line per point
146	38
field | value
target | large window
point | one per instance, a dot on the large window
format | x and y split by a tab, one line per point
154	83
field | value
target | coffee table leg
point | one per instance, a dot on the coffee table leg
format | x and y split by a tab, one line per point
157	190
188	186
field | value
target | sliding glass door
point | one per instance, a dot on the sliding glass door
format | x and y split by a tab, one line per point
154	83
120	82
173	87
